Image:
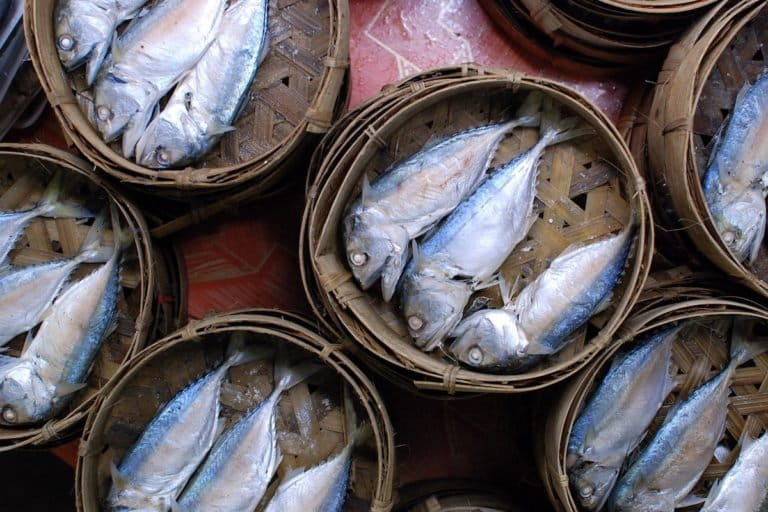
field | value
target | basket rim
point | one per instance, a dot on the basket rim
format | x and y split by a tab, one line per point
466	379
290	327
80	132
57	428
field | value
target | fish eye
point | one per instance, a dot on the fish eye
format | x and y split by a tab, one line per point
103	112
9	415
415	323
586	491
358	259
163	156
65	42
475	355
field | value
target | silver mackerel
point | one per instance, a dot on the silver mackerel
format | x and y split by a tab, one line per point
147	60
206	102
736	180
411	196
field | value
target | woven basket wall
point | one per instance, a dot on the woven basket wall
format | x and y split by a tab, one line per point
296	93
695	91
25	170
453	496
697	356
169	365
598	170
604	34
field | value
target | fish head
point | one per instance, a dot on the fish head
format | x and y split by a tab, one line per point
489	339
592	484
129	497
433	307
172	139
368	245
741	223
77	36
116	101
24	398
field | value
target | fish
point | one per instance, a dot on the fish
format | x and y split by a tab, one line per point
576	285
411	196
735	181
463	253
27	292
242	462
745	487
12	224
147	60
615	418
84	30
207	101
321	488
666	471
54	363
159	464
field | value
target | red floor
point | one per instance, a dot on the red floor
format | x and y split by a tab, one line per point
252	260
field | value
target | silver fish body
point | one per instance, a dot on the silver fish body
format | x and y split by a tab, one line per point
147	60
39	383
410	197
157	467
205	103
27	292
242	462
547	311
745	487
616	416
84	30
470	245
736	179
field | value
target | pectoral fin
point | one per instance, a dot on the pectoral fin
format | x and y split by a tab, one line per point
65	389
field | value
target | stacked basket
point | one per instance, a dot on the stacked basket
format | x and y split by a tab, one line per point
399	121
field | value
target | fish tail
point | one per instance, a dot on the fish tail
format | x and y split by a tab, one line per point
745	346
123	236
92	251
51	206
556	129
287	375
239	351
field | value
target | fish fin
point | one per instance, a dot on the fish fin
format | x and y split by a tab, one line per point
394	265
508	291
239	351
721	453
96	59
114	48
123	237
136	128
366	193
92	251
604	303
221	423
477	304
484	284
415	253
531	106
556	129
712	494
66	389
30	334
119	480
216	129
757	241
536	349
350	414
714	144
286	375
744	346
51	206
690	500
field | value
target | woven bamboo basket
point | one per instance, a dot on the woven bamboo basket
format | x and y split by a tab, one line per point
25	169
296	95
586	189
453	496
164	368
696	90
605	34
697	355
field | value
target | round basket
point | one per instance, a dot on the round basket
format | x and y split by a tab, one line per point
169	365
453	496
604	34
25	169
696	91
697	356
297	93
597	173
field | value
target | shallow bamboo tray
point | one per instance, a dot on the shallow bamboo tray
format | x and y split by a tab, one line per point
21	183
695	361
296	93
166	367
578	178
695	90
